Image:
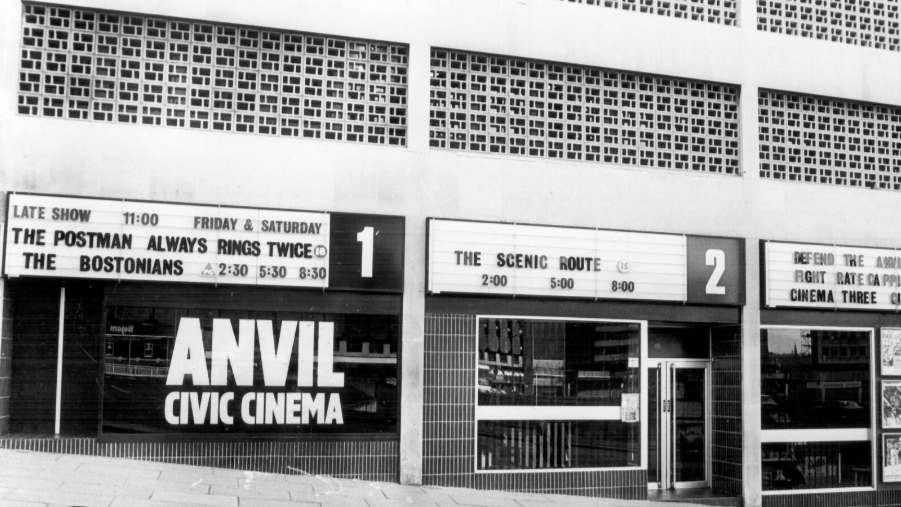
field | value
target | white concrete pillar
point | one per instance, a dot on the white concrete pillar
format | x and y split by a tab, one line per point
750	356
412	363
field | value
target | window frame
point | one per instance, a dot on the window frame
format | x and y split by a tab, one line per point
222	436
504	413
778	436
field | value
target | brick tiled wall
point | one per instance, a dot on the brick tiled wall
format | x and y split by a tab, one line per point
726	411
6	328
366	460
449	426
850	499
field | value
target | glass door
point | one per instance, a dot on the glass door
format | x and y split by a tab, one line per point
678	424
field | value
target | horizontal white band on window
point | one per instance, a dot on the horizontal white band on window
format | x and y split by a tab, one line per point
555	413
815	435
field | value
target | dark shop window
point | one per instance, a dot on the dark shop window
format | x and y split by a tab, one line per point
221	372
814	378
528	368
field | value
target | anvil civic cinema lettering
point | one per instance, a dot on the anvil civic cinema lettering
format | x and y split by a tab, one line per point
293	407
529	261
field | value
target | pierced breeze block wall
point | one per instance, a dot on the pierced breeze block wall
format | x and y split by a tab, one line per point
869	24
720	12
830	141
102	66
514	106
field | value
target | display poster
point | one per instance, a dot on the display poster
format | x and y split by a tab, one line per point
891	457
891	351
630	408
891	404
830	276
74	237
538	260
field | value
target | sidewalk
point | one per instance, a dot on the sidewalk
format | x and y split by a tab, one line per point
32	479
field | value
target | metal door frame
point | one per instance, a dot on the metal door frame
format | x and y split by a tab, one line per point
666	416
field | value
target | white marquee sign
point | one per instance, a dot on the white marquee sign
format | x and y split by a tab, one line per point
129	240
829	276
513	259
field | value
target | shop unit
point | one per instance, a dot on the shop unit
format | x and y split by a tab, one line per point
582	361
829	388
240	337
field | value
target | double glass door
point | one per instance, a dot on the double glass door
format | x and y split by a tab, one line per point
678	424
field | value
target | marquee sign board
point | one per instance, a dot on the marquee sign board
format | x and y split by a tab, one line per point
537	260
830	276
73	237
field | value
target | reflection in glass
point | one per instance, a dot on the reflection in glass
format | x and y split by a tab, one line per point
814	378
816	465
139	344
690	427
655	425
536	362
508	445
558	363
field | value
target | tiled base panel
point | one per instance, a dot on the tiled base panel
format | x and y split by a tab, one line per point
884	498
371	461
449	426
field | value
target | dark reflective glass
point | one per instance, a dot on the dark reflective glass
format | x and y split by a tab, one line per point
543	362
815	378
816	465
140	346
690	421
525	445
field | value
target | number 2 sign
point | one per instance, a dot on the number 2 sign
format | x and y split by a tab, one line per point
716	270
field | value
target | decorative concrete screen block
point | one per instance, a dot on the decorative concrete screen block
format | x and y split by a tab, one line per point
496	104
871	24
832	141
723	12
123	68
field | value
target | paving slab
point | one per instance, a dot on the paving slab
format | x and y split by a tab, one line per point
129	492
26	463
480	499
77	476
119	469
345	487
133	502
197	477
329	500
17	503
397	502
62	498
262	502
258	491
195	498
31	455
17	483
30	479
157	485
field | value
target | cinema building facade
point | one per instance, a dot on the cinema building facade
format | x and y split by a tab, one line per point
618	249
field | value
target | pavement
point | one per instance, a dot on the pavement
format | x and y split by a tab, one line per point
36	479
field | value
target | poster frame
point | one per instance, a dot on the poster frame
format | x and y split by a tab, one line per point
890	350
